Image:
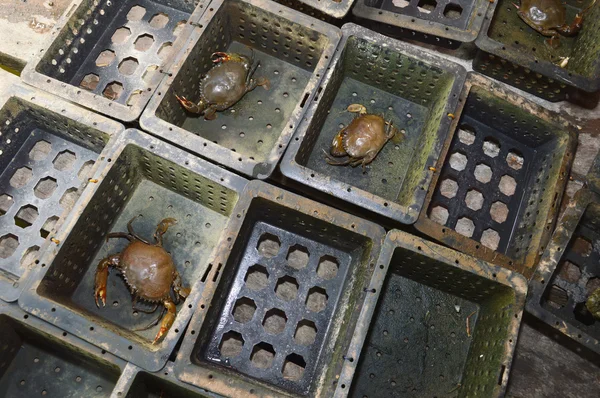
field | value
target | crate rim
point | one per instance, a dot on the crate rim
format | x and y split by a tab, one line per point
467	35
193	374
149	359
389	209
549	263
83	97
487	44
203	147
335	10
454	239
10	289
396	238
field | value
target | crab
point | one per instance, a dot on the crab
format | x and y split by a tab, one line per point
362	139
148	271
593	303
548	17
225	84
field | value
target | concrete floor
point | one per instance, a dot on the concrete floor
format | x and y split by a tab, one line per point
545	364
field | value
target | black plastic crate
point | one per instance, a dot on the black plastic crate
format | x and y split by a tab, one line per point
414	89
516	54
141	176
444	23
109	55
498	184
441	323
250	137
287	290
39	359
569	272
48	151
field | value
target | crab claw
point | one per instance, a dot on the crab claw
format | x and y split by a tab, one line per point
167	321
220	57
516	6
100	296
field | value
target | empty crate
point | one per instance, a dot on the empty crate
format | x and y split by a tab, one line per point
250	137
39	359
569	272
445	23
48	151
441	324
498	184
416	91
516	54
287	290
109	55
145	179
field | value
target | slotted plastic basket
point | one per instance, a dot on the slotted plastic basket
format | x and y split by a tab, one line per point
48	152
514	53
39	359
137	383
287	289
109	55
144	177
446	23
569	272
414	89
440	323
250	137
498	184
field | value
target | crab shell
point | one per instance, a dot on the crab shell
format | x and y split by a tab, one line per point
593	303
148	271
364	134
543	14
225	84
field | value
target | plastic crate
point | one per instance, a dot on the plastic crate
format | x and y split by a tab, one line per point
250	137
39	359
569	272
285	294
516	54
109	55
444	23
48	151
413	88
140	176
499	181
441	324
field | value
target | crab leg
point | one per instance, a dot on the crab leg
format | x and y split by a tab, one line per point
178	287
190	106
161	228
167	320
102	278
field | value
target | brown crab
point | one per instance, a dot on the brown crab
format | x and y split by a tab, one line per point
148	271
548	17
362	139
225	84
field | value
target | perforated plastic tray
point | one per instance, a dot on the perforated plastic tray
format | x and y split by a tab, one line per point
250	137
110	55
48	151
445	23
414	89
137	383
39	359
569	272
498	184
516	54
287	289
140	176
441	324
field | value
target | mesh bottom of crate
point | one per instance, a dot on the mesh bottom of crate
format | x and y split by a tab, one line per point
252	134
120	62
285	289
45	159
510	38
438	330
37	365
500	181
143	185
577	276
410	92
